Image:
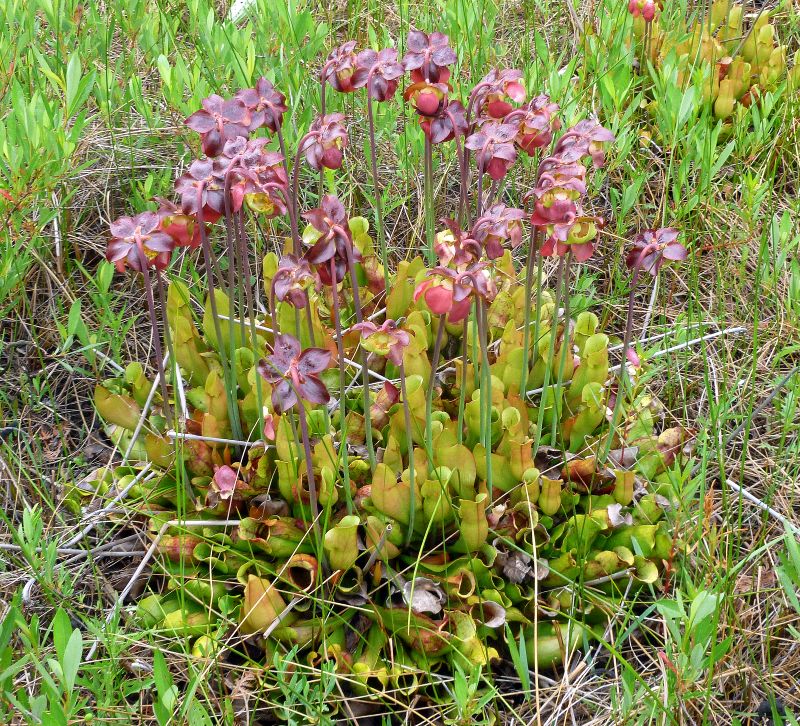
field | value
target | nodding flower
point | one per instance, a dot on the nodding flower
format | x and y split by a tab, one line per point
427	98
647	9
494	148
340	67
325	142
219	120
202	189
294	373
387	340
536	122
451	292
379	71
499	224
265	104
500	89
455	246
260	176
292	280
330	239
428	56
653	247
139	243
448	121
586	138
183	228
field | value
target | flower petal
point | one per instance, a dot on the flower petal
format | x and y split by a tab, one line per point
313	360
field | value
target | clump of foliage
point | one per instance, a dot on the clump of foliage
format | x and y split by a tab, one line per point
417	465
734	65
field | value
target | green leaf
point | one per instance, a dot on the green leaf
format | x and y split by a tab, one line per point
73	80
71	661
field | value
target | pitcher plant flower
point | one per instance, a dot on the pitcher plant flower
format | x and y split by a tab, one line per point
219	120
266	105
653	247
294	373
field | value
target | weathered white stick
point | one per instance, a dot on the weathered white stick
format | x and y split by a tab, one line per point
764	506
214	439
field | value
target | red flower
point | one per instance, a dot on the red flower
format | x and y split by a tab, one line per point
456	246
387	340
426	97
181	227
646	8
203	187
536	124
219	121
325	141
138	242
340	68
450	292
380	72
450	119
428	56
494	148
331	239
556	175
265	104
498	224
501	88
653	247
574	231
292	280
294	372
260	176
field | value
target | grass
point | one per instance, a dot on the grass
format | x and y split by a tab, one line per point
91	93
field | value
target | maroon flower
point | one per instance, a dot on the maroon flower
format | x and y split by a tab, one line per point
494	148
340	68
653	247
450	119
292	279
294	372
428	56
450	292
388	340
330	239
380	72
260	174
456	246
426	97
138	242
501	87
572	230
203	187
498	224
586	138
325	141
219	121
265	104
536	124
557	175
181	227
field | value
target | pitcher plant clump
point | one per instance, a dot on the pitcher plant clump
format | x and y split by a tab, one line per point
429	463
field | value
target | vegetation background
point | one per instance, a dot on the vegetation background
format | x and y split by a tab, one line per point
92	100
